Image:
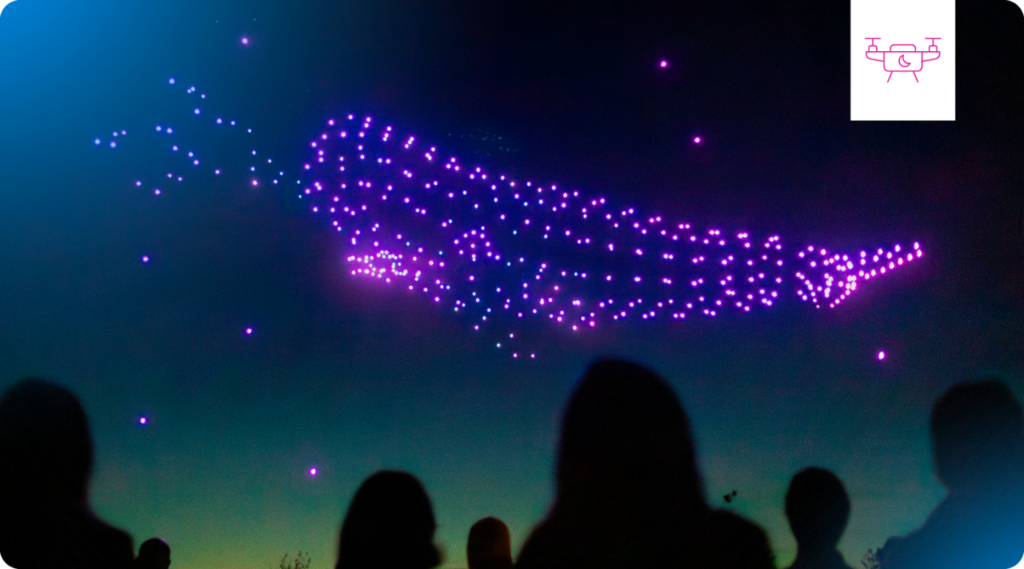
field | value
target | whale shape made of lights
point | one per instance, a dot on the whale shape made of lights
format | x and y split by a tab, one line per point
489	245
500	251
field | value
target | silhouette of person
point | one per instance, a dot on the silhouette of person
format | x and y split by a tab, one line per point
628	492
817	508
489	545
154	553
977	431
46	456
389	525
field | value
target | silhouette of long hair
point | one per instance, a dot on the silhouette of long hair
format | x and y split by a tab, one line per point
626	445
389	525
628	491
977	431
488	546
627	481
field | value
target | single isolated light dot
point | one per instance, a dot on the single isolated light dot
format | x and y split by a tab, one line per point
881	355
248	331
245	40
145	258
663	64
96	142
171	81
696	140
143	420
313	471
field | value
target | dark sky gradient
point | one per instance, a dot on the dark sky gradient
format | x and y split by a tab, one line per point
351	377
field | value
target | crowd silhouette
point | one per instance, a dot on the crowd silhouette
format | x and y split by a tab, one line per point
628	493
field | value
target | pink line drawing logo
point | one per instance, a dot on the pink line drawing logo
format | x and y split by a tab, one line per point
903	57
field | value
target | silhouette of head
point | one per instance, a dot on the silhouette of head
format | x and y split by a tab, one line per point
626	448
977	435
45	445
489	545
154	553
817	508
389	525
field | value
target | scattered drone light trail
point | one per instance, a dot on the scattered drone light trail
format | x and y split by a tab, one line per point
500	251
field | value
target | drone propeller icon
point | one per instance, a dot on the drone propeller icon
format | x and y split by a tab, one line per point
902	57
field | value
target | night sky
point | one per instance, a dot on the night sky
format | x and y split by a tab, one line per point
347	375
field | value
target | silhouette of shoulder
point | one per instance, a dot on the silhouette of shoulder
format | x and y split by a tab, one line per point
830	560
977	431
731	541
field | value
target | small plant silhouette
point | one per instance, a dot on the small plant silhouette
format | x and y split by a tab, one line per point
870	560
299	562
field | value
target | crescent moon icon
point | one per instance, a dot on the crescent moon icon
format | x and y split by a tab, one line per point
903	62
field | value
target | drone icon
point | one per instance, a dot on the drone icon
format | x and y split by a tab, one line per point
902	57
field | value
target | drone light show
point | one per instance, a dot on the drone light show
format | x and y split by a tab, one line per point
498	251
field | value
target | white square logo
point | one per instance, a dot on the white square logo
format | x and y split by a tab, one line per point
902	60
